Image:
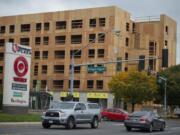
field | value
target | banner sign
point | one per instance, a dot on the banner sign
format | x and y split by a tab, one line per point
16	75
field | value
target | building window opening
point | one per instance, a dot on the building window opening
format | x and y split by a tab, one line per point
25	27
92	23
60	25
77	24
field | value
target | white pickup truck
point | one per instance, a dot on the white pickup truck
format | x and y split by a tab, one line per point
70	114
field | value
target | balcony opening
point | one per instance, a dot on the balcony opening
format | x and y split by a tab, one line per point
1	56
133	27
1	69
76	69
76	54
61	40
127	26
44	69
127	42
102	22
126	56
37	54
76	39
11	28
46	26
25	27
90	84
34	83
38	26
92	38
37	40
24	41
58	84
100	53
58	68
60	25
11	40
77	24
59	54
2	29
76	84
92	23
43	84
35	70
2	42
99	84
166	29
152	48
101	37
45	54
46	40
91	53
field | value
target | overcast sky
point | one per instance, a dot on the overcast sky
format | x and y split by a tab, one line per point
138	8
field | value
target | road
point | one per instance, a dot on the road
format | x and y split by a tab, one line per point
106	128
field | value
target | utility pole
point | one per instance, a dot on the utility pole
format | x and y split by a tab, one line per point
71	90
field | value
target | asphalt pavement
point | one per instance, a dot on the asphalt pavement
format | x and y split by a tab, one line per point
105	128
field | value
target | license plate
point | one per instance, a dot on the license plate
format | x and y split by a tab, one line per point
50	121
134	120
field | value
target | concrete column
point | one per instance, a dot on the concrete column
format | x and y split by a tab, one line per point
110	101
83	97
56	96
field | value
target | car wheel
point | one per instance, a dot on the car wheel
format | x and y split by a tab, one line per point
128	128
150	128
95	123
70	123
162	127
46	125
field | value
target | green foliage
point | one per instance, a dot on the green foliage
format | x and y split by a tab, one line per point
1	98
133	86
19	118
173	86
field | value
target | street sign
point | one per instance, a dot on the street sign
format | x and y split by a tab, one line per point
99	69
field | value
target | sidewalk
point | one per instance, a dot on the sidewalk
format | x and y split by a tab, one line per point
19	123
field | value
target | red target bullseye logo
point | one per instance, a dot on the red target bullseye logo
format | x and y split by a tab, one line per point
20	66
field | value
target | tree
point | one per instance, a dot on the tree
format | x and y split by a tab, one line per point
173	86
133	86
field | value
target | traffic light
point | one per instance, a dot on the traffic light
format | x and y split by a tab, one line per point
164	57
141	65
119	64
158	78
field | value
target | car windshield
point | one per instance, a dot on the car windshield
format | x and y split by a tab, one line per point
140	113
62	105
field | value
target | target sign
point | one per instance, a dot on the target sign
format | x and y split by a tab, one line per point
20	66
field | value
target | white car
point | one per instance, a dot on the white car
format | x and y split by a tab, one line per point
70	114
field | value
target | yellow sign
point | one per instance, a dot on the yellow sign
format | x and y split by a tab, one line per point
64	94
97	95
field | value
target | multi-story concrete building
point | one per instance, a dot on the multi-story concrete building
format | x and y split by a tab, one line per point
101	34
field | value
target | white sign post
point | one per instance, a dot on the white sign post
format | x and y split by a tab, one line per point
16	78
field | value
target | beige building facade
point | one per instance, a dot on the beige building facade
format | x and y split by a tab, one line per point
95	35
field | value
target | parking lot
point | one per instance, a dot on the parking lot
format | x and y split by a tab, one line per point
105	128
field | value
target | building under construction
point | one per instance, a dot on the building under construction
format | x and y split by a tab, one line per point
93	35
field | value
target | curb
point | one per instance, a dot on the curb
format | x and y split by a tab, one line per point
19	123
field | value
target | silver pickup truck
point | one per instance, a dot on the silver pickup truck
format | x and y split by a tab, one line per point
70	114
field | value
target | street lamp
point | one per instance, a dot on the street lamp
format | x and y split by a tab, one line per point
160	79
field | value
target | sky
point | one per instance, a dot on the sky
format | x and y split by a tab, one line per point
137	8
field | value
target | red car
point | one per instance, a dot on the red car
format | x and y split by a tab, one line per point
114	114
